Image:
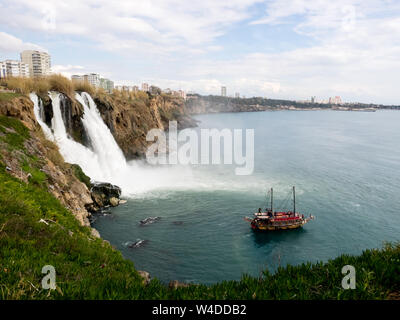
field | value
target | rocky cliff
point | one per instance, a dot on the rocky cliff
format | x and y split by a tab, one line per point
130	118
29	156
197	104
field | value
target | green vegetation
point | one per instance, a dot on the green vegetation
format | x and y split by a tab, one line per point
6	96
37	177
169	115
14	132
82	177
84	265
36	230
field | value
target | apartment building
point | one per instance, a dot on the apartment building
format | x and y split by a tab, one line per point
182	94
13	68
223	91
106	84
145	87
93	79
39	62
77	78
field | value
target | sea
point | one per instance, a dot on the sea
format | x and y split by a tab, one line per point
345	167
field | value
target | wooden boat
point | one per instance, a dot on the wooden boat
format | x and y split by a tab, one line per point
273	220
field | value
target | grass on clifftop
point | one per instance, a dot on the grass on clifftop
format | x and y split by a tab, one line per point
89	268
7	96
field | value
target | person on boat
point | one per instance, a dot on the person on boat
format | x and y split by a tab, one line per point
259	210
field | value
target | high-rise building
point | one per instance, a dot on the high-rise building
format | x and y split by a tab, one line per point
145	87
223	91
313	99
107	85
182	94
237	95
335	100
93	79
39	62
77	78
13	68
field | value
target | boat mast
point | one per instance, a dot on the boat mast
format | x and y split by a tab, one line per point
294	200
272	195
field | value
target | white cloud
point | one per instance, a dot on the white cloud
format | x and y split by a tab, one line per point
12	45
355	51
68	70
161	22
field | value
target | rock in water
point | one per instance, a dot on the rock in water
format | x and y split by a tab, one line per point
105	194
114	201
149	220
138	243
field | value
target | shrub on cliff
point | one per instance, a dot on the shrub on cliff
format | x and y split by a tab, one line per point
82	177
60	83
19	84
40	85
84	86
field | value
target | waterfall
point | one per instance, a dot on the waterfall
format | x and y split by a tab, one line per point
110	156
39	114
103	160
72	151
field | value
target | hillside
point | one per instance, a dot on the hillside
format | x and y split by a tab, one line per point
198	104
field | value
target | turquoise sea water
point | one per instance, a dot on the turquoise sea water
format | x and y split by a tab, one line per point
346	169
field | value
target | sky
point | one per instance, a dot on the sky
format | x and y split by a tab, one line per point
286	49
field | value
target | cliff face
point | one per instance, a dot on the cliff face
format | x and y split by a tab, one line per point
130	119
30	157
72	112
197	104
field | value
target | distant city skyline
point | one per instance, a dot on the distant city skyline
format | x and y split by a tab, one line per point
287	49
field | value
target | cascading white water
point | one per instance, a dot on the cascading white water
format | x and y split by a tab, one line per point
110	157
38	111
72	151
104	160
